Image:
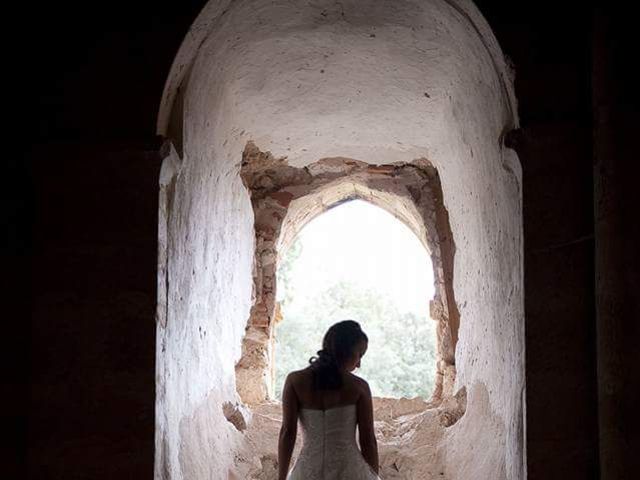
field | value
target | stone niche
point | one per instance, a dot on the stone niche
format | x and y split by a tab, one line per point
285	198
404	104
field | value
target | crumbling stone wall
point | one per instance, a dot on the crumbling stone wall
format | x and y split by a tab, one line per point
285	198
409	432
378	82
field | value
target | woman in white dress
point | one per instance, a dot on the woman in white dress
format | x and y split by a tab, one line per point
330	402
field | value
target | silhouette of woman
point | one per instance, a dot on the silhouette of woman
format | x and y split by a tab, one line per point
330	402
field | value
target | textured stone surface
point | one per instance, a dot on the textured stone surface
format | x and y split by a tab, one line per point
408	432
380	82
286	198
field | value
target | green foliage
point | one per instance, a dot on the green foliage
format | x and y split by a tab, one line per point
285	271
400	361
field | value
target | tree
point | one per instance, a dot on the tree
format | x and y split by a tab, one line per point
400	360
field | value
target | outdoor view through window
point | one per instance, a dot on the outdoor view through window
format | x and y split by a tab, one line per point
356	261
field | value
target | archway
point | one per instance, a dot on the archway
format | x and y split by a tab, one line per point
383	83
286	198
358	261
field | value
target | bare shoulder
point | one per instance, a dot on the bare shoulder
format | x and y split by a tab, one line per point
298	377
360	384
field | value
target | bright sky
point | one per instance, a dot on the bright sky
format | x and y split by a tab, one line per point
360	243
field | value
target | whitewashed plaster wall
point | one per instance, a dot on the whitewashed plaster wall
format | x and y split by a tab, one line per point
377	81
207	279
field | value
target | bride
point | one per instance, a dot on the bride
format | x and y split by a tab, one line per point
330	401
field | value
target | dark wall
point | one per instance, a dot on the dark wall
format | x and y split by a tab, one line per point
93	330
616	103
578	107
550	46
92	76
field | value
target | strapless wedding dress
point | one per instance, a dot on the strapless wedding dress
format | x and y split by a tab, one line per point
329	449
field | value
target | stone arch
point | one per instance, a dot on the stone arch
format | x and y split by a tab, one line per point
285	199
377	82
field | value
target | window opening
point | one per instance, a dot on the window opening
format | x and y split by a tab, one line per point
358	261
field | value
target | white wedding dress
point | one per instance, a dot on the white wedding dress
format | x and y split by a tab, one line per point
329	449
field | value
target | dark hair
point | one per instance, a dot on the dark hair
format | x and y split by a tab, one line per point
338	346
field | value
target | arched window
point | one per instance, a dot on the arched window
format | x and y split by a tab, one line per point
357	261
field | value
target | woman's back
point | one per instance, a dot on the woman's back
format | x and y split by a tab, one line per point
328	419
329	451
330	402
351	390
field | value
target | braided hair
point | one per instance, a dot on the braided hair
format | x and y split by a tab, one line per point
338	346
